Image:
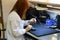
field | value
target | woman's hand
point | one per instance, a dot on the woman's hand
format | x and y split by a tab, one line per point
29	27
33	20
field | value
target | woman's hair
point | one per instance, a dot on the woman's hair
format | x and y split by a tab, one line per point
21	7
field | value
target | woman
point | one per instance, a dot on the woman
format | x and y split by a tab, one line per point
15	24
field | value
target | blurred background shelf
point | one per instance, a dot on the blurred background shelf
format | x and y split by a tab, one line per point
47	2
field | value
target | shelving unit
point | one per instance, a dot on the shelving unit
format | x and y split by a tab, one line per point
46	2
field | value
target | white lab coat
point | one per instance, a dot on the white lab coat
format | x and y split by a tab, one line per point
15	27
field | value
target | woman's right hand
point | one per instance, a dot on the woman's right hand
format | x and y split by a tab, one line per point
29	27
33	20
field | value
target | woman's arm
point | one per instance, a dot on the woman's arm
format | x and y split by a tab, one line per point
16	25
27	22
16	30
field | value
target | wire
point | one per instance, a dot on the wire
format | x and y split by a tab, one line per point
36	18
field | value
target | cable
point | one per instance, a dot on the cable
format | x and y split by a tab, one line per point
36	18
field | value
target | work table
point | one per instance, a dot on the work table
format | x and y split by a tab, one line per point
41	30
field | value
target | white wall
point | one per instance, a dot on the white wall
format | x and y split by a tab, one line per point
7	6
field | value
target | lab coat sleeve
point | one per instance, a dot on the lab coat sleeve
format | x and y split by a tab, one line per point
15	26
26	22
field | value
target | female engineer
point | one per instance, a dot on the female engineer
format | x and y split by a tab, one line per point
15	23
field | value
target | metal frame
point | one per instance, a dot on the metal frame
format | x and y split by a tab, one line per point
2	21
